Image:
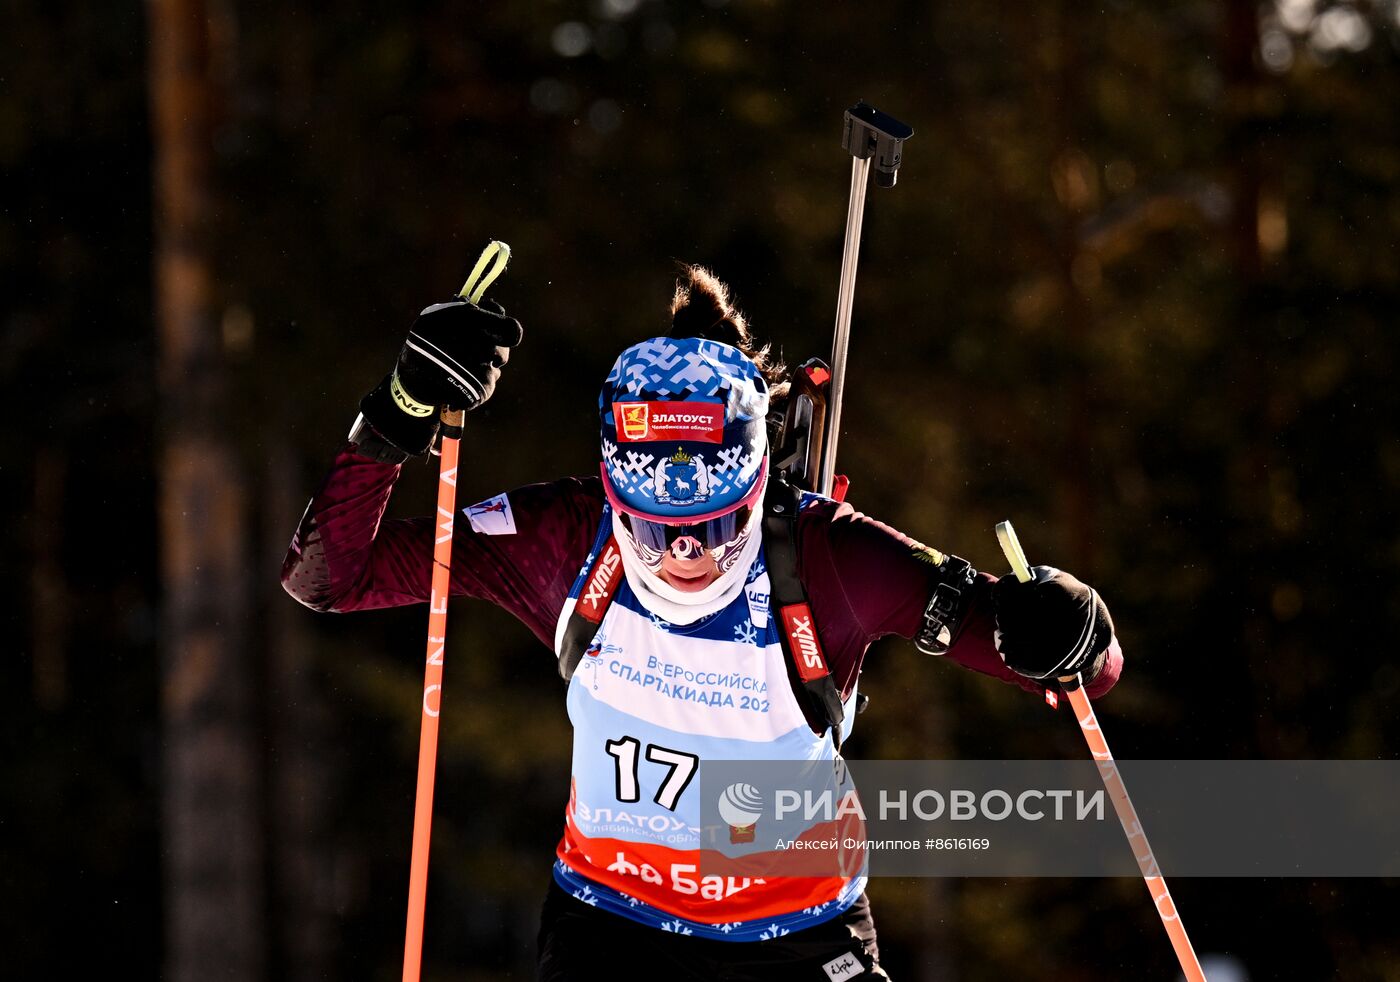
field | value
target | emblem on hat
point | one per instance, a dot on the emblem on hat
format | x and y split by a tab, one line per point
681	479
635	420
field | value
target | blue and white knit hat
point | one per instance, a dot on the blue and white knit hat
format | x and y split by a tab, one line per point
684	429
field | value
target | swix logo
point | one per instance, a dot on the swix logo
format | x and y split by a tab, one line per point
695	421
598	590
797	620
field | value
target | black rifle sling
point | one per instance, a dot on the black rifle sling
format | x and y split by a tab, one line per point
808	672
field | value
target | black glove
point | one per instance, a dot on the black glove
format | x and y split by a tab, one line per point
452	357
1051	626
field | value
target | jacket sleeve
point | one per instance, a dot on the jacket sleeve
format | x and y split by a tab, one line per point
867	580
346	556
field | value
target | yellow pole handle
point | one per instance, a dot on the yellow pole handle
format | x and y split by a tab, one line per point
477	284
1011	548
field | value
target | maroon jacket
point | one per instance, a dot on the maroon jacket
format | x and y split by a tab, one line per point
864	580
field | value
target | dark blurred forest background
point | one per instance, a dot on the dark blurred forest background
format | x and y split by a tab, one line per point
1137	289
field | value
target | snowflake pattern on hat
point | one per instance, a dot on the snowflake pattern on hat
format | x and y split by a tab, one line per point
687	368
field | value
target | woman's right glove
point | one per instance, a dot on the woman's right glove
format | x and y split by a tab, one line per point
452	358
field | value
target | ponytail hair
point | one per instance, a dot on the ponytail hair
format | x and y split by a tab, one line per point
701	308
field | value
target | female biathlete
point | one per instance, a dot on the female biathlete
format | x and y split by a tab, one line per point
651	580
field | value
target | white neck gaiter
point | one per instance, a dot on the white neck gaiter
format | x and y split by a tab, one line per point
677	606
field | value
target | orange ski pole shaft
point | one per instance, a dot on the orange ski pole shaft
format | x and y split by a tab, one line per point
1117	790
432	696
473	291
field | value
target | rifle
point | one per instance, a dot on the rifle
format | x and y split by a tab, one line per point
811	426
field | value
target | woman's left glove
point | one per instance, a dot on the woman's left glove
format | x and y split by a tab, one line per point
1050	626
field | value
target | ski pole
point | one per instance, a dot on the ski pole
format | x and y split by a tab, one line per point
1113	781
473	290
868	133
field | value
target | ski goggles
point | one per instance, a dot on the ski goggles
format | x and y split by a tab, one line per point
721	534
714	534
